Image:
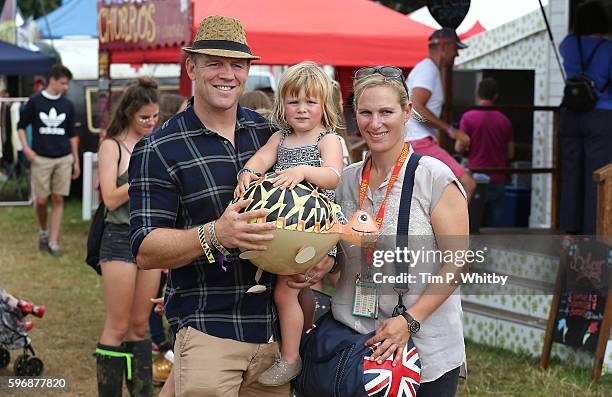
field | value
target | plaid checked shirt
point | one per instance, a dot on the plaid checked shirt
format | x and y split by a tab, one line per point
184	175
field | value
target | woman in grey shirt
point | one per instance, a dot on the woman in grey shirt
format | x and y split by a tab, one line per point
438	222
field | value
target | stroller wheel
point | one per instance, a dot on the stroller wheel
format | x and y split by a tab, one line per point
5	357
20	366
35	366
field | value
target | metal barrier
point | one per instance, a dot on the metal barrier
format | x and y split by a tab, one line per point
91	198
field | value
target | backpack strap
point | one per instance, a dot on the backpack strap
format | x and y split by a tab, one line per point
406	199
592	55
584	66
579	44
403	221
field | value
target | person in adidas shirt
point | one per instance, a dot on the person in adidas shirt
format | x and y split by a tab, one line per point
54	155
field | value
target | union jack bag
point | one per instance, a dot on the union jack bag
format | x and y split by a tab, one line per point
337	364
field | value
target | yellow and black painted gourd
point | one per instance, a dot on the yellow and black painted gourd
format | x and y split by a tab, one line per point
307	226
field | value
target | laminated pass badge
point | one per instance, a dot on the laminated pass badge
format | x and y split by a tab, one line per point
365	300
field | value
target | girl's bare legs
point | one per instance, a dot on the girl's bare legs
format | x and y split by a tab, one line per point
127	293
289	365
119	283
307	303
147	284
291	319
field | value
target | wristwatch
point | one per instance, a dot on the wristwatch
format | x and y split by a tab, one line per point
413	325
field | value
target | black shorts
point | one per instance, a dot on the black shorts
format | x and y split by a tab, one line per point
116	244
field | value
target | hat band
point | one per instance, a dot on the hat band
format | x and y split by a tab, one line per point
220	45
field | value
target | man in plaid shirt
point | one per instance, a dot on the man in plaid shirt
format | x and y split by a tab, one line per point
183	176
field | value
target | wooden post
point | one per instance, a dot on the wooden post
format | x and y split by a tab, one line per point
556	173
554	306
603	178
602	342
444	140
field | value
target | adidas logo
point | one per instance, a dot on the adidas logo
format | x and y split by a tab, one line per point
52	121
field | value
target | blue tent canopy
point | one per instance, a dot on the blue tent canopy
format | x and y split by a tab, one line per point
73	18
17	61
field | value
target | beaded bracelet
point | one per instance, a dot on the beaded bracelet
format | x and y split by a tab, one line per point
204	244
214	240
247	169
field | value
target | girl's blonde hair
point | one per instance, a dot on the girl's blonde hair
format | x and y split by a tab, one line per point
378	80
309	78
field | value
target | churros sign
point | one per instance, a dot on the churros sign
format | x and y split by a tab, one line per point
149	23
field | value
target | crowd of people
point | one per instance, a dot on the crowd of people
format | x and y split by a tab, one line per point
170	167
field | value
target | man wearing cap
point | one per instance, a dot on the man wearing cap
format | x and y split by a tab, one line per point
182	178
427	95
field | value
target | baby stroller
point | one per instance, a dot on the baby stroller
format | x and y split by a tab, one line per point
14	335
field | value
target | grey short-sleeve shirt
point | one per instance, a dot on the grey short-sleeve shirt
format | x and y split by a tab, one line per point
440	341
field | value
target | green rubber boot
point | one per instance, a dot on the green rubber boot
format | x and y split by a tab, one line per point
110	365
141	383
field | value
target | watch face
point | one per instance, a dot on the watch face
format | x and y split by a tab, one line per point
414	327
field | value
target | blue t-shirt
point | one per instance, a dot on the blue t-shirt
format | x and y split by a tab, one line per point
52	120
600	69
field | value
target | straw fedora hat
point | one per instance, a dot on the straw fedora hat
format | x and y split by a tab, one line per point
221	36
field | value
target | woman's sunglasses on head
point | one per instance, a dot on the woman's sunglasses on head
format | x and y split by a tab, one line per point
391	72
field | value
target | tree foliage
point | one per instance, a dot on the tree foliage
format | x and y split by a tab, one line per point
35	8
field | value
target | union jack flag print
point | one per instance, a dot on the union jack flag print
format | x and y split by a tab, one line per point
385	381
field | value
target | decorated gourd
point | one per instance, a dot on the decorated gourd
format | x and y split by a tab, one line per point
307	227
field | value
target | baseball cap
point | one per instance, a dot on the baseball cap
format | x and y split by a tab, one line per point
446	33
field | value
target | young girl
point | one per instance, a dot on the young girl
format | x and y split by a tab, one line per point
306	148
127	289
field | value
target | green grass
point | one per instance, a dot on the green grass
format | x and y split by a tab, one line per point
66	337
497	372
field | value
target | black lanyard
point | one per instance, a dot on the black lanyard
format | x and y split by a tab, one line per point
403	222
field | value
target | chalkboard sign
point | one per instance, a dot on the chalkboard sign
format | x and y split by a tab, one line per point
583	294
448	13
581	310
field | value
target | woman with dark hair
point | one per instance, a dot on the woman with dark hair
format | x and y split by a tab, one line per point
257	100
339	103
585	137
169	105
127	289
